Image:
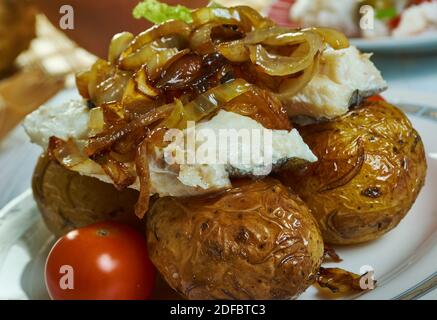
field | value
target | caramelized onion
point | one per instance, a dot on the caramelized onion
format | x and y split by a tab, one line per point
120	173
200	40
262	106
68	155
255	18
338	280
143	84
142	168
200	67
119	43
207	103
96	122
106	83
235	51
104	141
291	86
132	97
181	73
244	16
278	65
334	38
172	27
154	55
82	83
222	15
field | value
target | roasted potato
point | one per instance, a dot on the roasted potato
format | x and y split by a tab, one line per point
370	170
255	241
68	200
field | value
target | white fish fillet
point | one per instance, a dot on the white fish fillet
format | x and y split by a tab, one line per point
69	121
344	78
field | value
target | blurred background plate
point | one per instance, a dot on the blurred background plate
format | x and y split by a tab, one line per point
278	10
416	45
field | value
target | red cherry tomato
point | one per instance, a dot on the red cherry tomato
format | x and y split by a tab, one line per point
394	23
104	261
376	98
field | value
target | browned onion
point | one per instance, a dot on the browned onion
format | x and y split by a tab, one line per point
119	43
200	40
142	168
235	51
106	83
338	280
195	66
121	174
132	97
206	103
243	16
255	18
154	55
68	155
104	141
172	27
291	86
334	38
181	72
143	84
82	82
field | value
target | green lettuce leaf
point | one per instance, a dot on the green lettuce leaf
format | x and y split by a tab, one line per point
158	12
386	14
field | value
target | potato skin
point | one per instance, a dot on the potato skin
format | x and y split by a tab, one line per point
255	241
371	169
68	200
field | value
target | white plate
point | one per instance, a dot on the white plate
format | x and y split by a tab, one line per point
414	44
404	260
279	10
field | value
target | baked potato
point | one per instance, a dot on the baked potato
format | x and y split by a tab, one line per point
370	171
254	241
17	29
68	200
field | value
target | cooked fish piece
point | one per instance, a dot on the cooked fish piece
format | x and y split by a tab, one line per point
235	145
345	77
70	122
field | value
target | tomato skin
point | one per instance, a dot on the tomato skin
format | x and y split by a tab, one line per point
376	98
109	261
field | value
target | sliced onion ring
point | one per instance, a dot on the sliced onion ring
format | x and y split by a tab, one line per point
142	168
276	65
200	40
103	142
207	103
119	43
162	30
143	84
235	51
67	154
334	38
291	86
